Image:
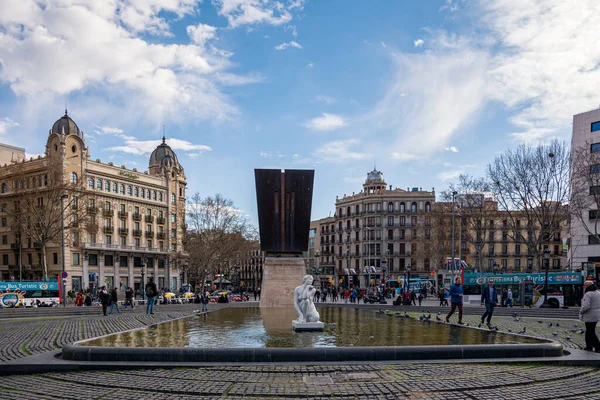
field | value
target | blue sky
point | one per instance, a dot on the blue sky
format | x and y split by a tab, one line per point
425	90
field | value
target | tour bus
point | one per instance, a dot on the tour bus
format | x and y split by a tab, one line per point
29	294
416	284
564	288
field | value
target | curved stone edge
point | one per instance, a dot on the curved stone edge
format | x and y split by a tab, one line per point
324	354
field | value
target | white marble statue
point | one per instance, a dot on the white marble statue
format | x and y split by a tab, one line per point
303	301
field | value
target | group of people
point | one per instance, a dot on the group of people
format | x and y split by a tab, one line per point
109	299
489	298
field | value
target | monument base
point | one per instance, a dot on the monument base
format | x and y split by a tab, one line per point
307	326
280	277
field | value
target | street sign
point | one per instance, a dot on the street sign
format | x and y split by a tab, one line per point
64	275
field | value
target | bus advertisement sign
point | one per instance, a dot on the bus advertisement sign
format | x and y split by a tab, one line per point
571	278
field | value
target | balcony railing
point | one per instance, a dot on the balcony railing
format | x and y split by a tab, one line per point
123	214
123	231
137	232
109	229
160	236
108	213
149	218
160	220
116	247
137	217
149	234
92	210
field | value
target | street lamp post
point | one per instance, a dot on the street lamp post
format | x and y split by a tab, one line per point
317	271
478	247
383	271
143	289
408	278
62	248
453	266
546	264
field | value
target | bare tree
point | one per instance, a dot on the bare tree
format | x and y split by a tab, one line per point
43	202
218	234
585	197
532	184
472	209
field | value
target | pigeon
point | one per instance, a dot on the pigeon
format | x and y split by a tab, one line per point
428	317
509	330
427	311
557	324
581	331
379	311
550	324
524	330
421	317
539	322
406	315
568	337
437	318
574	330
555	334
468	324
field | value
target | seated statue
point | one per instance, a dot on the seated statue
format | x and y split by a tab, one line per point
303	301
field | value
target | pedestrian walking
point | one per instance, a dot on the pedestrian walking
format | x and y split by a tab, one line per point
504	297
204	300
589	313
413	298
456	300
129	298
88	300
446	297
420	298
509	298
114	301
489	297
151	292
104	299
255	293
441	297
258	294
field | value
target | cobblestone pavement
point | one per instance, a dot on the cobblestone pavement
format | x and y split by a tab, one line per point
21	338
435	382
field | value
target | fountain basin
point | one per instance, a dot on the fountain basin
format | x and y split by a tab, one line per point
266	335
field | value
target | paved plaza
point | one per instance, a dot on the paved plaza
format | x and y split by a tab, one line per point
22	338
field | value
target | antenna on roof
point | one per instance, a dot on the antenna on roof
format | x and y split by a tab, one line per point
374	166
164	134
65	107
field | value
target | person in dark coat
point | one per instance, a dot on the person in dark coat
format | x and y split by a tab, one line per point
151	293
204	301
456	300
114	301
489	297
104	299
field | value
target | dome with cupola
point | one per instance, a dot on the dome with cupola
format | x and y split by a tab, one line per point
375	177
65	126
163	156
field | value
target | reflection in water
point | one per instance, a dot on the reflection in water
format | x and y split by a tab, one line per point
344	327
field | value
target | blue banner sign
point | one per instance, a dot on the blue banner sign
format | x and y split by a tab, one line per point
28	286
554	278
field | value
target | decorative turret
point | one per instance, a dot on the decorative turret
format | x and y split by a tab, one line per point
65	126
375	182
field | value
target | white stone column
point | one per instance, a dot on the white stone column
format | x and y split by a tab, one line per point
101	271
86	274
130	273
117	278
155	269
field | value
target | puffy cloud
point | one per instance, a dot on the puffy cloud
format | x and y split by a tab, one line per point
339	151
201	33
101	45
141	147
248	12
284	46
452	149
419	42
6	124
326	122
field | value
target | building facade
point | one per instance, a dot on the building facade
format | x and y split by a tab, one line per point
134	226
251	268
381	232
584	249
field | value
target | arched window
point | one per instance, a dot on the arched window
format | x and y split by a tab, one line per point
73	177
357	209
107	186
340	212
4	188
91	183
402	207
348	211
143	193
427	207
173	198
99	184
115	188
122	188
413	207
390	207
129	190
136	191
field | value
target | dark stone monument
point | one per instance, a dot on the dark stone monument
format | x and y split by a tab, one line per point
284	204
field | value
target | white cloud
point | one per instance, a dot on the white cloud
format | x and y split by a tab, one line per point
277	154
102	45
291	28
325	99
326	122
201	33
453	174
419	42
310	65
339	151
403	156
383	45
140	147
248	12
453	149
284	46
6	124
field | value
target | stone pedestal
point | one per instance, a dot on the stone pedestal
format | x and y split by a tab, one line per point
307	326
281	275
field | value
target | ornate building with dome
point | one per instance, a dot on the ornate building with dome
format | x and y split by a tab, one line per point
135	226
377	232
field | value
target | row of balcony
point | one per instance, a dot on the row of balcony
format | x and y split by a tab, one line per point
116	247
135	232
125	214
382	211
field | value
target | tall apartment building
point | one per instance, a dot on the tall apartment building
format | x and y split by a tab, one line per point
584	248
136	219
380	231
251	267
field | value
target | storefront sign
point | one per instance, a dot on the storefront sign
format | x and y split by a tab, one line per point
128	175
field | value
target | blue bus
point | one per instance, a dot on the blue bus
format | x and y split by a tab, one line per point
415	284
29	294
564	288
